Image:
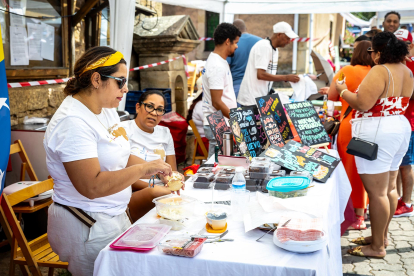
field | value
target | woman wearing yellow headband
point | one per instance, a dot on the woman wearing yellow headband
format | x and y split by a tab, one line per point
88	156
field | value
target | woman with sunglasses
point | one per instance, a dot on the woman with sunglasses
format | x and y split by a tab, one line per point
149	142
89	158
378	117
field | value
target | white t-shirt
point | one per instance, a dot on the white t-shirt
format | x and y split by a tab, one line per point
149	146
262	56
75	133
217	76
198	117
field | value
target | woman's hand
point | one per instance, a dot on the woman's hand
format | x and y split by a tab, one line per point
340	87
324	90
157	166
165	181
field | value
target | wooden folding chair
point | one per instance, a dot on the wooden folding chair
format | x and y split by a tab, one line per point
192	77
17	147
36	253
199	142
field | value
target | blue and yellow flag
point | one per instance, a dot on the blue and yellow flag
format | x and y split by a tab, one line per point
4	119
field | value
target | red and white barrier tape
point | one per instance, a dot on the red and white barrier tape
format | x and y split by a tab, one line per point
36	83
298	39
331	48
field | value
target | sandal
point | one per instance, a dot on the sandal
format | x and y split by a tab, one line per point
357	251
360	241
359	224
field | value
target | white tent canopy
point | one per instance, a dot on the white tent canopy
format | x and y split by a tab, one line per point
355	20
293	6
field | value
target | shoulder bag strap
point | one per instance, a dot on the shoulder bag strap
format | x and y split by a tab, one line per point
348	110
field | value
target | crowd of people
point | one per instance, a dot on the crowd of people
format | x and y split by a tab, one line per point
101	166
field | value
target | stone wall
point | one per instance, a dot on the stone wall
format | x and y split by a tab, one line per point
37	101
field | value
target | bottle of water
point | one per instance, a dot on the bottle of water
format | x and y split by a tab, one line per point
239	183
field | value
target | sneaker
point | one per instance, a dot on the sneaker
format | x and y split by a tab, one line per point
359	224
403	210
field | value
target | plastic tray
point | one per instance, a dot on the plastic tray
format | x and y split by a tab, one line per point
222	186
260	168
301	246
175	207
181	246
141	237
277	173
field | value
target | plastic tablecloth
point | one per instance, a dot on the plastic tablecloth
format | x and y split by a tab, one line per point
243	256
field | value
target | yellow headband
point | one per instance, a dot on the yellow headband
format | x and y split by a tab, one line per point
105	61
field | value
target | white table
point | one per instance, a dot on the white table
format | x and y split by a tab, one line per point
244	256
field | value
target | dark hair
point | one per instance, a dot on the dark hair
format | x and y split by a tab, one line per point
362	38
392	49
191	110
370	34
80	82
361	56
224	31
393	12
145	95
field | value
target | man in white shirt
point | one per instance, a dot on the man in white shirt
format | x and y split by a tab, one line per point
218	92
262	65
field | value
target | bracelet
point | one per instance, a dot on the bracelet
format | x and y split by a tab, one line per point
342	92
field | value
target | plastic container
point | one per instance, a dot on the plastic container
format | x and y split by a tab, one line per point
278	173
176	225
224	178
259	170
303	173
182	246
175	207
217	221
202	185
275	167
227	170
141	237
205	170
252	185
260	160
288	186
204	177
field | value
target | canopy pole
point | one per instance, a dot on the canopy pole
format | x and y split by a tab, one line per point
295	44
310	43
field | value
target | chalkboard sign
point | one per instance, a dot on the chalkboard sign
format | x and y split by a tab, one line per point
238	136
298	157
272	130
218	127
248	118
307	123
271	105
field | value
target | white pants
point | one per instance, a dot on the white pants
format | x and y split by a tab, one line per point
393	138
78	244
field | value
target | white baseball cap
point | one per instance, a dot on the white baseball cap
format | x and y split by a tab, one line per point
284	28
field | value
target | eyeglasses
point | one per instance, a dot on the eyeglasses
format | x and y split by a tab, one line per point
121	81
370	50
150	108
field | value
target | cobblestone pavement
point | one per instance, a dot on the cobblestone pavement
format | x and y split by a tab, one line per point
400	252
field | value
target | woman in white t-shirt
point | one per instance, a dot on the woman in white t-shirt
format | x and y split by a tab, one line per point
88	157
148	140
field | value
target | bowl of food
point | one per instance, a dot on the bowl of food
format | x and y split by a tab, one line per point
175	207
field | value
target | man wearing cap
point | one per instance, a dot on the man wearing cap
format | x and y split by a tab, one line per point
404	207
261	68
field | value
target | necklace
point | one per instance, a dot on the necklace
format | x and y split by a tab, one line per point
106	128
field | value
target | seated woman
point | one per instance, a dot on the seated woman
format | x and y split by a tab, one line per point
379	105
195	113
149	141
89	158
